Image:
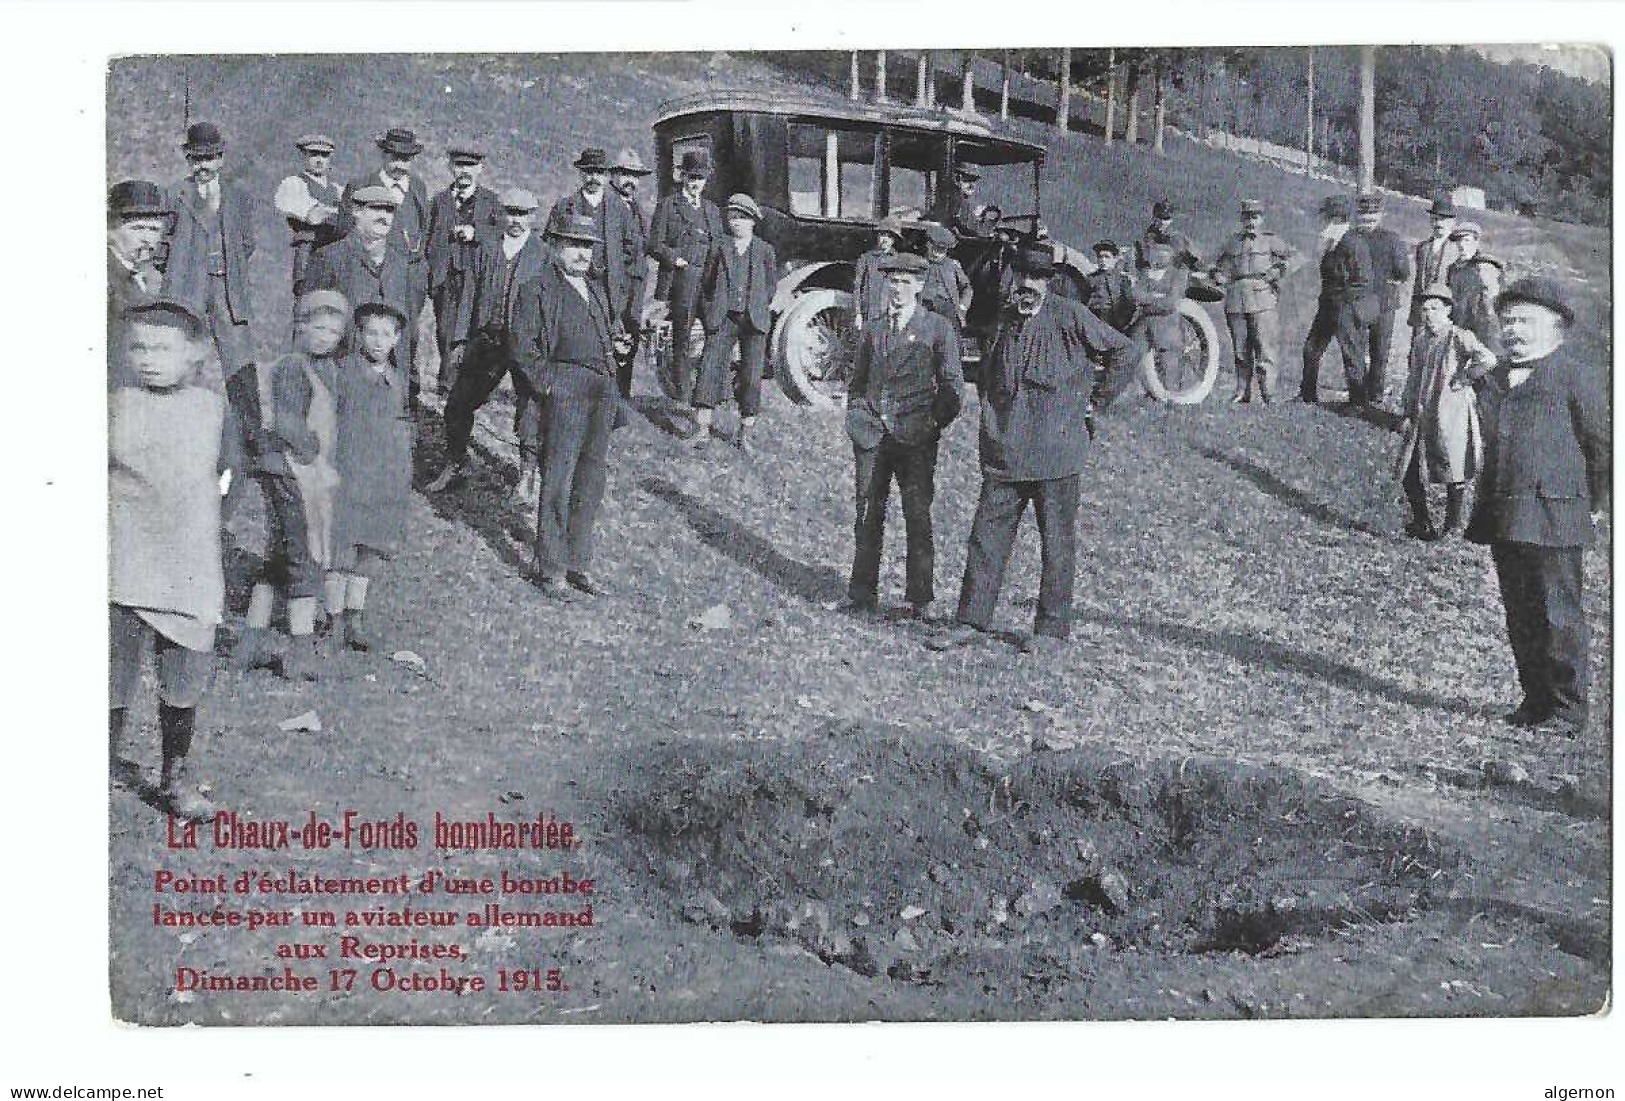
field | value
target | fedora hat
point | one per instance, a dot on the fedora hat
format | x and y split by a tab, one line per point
577	228
136	199
1443	207
594	158
628	161
696	162
400	142
203	140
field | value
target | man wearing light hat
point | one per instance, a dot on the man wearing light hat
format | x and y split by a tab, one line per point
1036	382
517	258
617	235
736	298
310	202
397	148
562	338
686	227
906	388
870	288
464	221
1390	272
1433	256
1544	485
624	175
1250	268
137	219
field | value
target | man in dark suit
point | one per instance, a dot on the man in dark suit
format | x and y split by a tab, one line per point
515	260
1390	273
137	218
397	148
562	339
371	264
736	297
465	220
612	221
906	387
1108	291
210	244
685	229
1544	484
1349	301
961	213
624	176
1434	256
1036	383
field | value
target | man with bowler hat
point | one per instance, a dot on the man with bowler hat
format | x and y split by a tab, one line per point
1250	268
1544	484
1348	303
397	148
1434	256
310	201
906	388
137	219
210	244
1390	272
562	339
1036	383
612	221
518	257
624	176
464	221
686	227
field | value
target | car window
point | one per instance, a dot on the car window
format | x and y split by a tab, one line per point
832	172
1008	186
916	160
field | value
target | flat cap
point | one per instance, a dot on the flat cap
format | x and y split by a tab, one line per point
330	301
1440	291
1035	263
375	195
1108	245
1251	206
891	224
939	234
315	143
577	228
1369	203
911	263
517	198
740	203
1466	229
136	199
379	309
465	150
1538	290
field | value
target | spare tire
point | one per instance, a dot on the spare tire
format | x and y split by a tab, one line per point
814	343
1198	366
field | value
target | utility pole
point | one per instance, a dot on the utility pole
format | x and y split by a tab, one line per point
880	76
1004	88
1063	113
922	64
967	84
1111	94
1309	130
1368	117
857	89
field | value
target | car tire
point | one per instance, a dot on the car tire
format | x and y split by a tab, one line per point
1201	353
812	344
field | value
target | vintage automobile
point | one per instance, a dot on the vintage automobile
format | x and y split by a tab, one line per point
826	171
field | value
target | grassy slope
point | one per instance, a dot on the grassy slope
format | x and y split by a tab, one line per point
1242	591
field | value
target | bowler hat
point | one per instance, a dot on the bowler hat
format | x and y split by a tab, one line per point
315	143
517	198
1162	208
1442	207
400	142
891	224
465	151
1539	290
939	234
330	301
573	228
136	199
696	162
910	262
203	140
1369	203
1251	206
593	158
966	172
1107	246
1466	229
383	309
1035	263
743	204
1437	290
628	161
375	195
1335	207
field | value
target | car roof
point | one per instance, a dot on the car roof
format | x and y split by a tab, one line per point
990	144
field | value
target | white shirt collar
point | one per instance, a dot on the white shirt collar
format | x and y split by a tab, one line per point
512	245
593	200
402	185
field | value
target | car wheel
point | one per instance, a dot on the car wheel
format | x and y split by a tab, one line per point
814	344
1190	380
665	366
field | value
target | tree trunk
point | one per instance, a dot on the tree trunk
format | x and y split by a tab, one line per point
1063	91
1309	129
922	64
1111	95
1004	87
930	79
967	84
880	76
1131	132
1368	117
857	88
1160	114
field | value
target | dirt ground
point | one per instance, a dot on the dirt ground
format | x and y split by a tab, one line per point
1265	779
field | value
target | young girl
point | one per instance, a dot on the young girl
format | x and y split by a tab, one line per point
372	453
294	470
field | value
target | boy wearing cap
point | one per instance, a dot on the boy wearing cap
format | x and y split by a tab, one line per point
1348	302
1433	256
906	388
736	297
563	341
1442	441
310	202
372	455
293	467
870	292
624	176
1108	291
686	227
1544	484
947	289
1155	308
612	222
166	588
1475	280
397	148
519	257
1250	268
464	220
1390	272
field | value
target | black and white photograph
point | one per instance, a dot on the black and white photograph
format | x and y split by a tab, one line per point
511	619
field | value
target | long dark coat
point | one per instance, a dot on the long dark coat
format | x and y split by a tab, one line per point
186	272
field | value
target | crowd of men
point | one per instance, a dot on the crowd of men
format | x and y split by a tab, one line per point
1492	394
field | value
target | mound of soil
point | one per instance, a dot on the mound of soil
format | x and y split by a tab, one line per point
928	862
